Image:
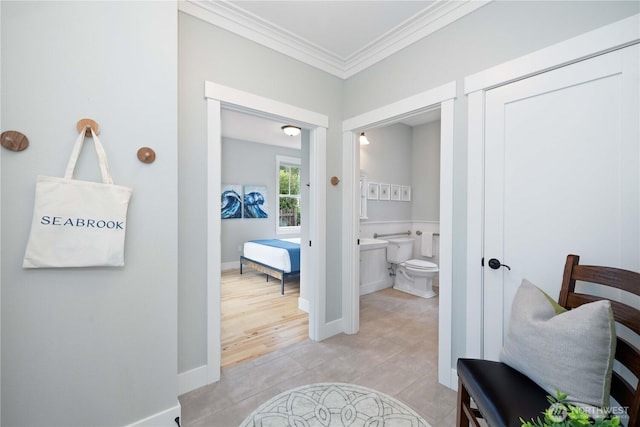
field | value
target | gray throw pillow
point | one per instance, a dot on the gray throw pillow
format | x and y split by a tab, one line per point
570	351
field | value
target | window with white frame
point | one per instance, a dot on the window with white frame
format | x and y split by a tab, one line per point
288	209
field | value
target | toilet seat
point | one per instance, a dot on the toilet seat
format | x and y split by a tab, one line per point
420	264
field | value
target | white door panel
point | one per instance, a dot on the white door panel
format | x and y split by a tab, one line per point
561	176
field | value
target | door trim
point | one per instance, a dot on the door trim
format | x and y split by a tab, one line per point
218	97
602	40
440	97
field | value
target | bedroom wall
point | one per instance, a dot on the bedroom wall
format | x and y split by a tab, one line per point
207	52
250	163
91	346
493	34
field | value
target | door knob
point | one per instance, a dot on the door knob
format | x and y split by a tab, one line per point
496	264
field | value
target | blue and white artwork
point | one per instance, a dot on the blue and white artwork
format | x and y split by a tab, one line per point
255	201
231	201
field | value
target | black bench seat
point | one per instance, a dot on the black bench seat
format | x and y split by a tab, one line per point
502	394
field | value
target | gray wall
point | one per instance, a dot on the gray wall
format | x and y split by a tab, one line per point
387	159
403	155
250	163
90	346
209	53
495	33
425	172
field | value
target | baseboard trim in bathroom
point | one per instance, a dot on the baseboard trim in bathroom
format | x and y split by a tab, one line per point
372	287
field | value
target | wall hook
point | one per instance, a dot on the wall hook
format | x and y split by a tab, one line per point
14	140
146	155
335	180
87	125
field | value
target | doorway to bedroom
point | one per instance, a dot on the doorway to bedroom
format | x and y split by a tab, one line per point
264	213
313	274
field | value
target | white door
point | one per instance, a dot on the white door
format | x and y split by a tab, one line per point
562	164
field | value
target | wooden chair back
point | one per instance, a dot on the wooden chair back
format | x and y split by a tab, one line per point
627	354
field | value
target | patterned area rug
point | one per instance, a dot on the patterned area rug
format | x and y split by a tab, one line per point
333	405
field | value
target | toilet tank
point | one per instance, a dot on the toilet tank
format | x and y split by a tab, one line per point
399	250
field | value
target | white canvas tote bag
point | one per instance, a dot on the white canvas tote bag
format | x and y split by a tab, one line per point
78	223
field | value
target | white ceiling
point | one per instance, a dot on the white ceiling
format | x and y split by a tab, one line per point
339	37
342	28
245	127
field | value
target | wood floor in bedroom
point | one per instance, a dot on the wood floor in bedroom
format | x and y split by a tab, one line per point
256	319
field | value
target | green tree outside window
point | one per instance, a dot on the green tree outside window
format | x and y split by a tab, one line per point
289	215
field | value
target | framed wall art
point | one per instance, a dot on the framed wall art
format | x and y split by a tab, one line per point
231	201
385	191
255	201
406	193
395	192
372	191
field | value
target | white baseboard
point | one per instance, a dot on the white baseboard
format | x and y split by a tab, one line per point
368	288
330	329
454	379
233	265
303	304
191	380
165	418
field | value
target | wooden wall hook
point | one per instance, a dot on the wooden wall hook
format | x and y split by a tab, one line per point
87	125
14	140
146	155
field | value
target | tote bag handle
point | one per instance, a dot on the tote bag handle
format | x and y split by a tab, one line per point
102	157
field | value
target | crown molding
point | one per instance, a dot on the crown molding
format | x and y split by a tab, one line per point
419	26
237	20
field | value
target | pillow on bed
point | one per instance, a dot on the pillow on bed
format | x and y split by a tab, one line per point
567	350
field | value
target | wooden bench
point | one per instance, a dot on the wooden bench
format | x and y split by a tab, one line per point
502	395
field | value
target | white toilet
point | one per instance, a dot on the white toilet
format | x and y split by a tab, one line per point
413	276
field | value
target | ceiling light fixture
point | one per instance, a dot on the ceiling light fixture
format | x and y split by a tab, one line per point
363	139
291	130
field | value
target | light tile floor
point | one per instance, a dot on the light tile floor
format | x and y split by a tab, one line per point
394	352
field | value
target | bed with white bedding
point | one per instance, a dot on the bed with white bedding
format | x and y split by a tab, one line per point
279	258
